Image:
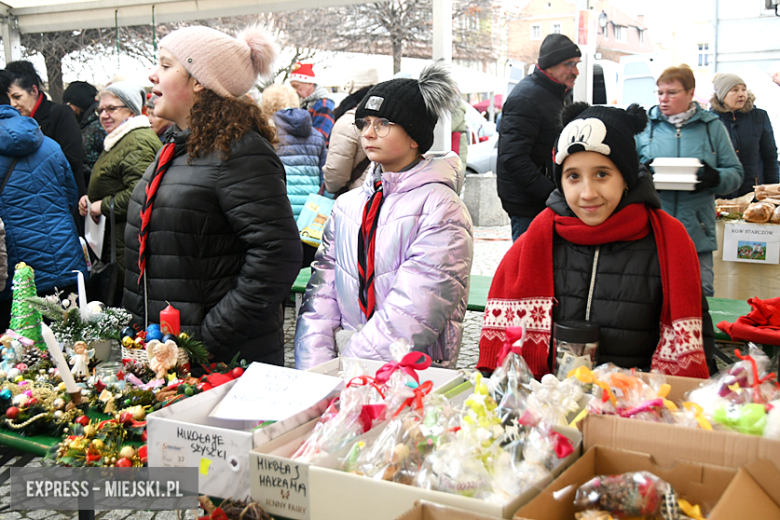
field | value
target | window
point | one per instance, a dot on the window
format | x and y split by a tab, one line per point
536	32
704	54
620	33
641	36
556	28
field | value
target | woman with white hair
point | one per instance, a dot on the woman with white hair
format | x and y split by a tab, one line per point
128	149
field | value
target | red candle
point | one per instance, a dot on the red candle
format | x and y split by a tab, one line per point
170	322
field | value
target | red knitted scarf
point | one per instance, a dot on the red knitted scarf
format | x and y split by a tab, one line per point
523	289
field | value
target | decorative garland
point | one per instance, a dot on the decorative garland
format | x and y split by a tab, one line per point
69	327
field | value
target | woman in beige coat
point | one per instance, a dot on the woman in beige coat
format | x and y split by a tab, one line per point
345	154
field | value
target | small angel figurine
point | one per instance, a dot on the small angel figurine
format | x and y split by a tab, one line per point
162	356
79	359
7	353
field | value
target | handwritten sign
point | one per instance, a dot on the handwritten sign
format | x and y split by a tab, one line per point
751	243
281	486
272	393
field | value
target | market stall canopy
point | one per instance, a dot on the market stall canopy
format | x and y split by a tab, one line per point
63	15
482	106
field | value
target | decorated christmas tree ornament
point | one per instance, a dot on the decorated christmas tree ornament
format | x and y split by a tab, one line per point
5	394
128	332
170	337
124	463
153	331
25	319
12	412
128	342
127	452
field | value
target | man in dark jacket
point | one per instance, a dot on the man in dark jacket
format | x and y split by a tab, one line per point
529	126
80	96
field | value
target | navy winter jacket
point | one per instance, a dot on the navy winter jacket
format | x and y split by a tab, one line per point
754	141
36	204
303	154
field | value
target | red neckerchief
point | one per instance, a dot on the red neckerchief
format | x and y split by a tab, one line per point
163	163
366	247
522	291
37	104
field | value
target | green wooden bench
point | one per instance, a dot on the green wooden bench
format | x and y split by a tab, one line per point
720	308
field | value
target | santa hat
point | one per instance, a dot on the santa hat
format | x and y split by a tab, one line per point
303	72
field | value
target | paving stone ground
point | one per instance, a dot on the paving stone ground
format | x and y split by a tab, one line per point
490	245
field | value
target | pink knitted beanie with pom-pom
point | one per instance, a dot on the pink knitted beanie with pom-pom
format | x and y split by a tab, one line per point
223	64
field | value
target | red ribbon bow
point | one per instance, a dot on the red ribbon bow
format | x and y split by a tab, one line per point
416	400
410	363
513	335
368	413
365	381
757	398
562	445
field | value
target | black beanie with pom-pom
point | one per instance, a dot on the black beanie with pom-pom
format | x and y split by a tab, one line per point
607	130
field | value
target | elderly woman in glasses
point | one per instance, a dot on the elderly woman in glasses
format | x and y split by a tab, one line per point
128	149
679	127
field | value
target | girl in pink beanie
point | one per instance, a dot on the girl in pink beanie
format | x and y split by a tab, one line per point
210	228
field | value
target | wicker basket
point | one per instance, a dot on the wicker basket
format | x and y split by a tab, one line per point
139	356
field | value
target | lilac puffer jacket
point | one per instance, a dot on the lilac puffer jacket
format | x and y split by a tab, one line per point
424	251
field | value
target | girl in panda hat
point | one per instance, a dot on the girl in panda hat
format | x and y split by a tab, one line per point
605	252
210	228
396	254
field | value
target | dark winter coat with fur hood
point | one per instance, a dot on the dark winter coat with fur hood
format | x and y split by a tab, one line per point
751	134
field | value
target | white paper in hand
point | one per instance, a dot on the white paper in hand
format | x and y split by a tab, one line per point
272	393
94	232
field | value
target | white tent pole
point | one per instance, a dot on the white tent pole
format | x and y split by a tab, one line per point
11	40
442	48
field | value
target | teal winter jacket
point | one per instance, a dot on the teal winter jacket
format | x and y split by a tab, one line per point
704	137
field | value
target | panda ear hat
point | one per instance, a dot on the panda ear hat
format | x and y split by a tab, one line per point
606	130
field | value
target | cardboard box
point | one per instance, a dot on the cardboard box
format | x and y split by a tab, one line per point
443	379
753	494
698	483
183	435
727	493
424	510
669	443
301	491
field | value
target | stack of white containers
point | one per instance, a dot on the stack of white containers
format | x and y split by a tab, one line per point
675	173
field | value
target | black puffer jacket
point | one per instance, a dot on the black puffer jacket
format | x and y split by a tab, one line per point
627	292
530	124
754	141
223	248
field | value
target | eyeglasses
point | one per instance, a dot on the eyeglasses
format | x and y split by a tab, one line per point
110	109
668	93
381	126
570	64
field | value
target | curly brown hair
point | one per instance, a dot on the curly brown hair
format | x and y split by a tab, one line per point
216	122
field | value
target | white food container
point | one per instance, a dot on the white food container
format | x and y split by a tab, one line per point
675	173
